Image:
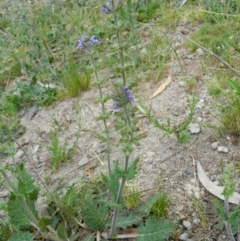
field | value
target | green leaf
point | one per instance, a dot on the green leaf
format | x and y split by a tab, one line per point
43	222
235	86
220	210
228	180
70	196
26	184
125	221
22	236
17	213
89	237
131	171
62	232
113	184
156	230
92	217
234	219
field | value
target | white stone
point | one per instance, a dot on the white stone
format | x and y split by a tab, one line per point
187	224
181	83
222	149
196	220
183	236
194	128
215	145
199	51
18	155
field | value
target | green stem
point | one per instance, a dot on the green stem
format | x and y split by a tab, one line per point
120	190
104	114
120	48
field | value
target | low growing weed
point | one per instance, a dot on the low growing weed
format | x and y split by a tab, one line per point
60	153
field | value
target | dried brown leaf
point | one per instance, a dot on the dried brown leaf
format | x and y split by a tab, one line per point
162	87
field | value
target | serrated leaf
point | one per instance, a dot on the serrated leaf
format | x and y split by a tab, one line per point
92	217
17	213
26	184
70	196
113	184
234	219
111	204
21	236
89	237
125	221
131	171
43	222
220	210
62	232
156	230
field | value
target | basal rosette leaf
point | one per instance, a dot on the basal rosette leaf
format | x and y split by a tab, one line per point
22	236
26	184
18	215
156	230
124	221
92	217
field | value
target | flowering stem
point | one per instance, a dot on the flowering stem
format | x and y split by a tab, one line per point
120	190
120	48
104	113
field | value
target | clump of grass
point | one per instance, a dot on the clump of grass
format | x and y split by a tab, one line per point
131	197
230	116
191	85
74	80
60	153
159	205
214	88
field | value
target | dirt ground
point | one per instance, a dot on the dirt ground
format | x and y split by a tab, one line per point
165	162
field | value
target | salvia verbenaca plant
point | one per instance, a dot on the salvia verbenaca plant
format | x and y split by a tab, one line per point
125	123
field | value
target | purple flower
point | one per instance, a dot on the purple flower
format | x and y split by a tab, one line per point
93	40
129	94
122	97
116	106
83	38
80	44
104	10
108	7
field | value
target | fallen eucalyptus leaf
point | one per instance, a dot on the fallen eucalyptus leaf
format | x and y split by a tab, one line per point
213	188
161	88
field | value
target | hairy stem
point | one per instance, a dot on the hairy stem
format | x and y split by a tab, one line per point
120	47
120	190
227	226
104	114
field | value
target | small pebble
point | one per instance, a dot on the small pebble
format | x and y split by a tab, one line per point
183	236
194	128
199	51
181	83
214	145
196	220
187	224
222	149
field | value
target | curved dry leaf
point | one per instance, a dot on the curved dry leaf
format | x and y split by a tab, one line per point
213	188
162	87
